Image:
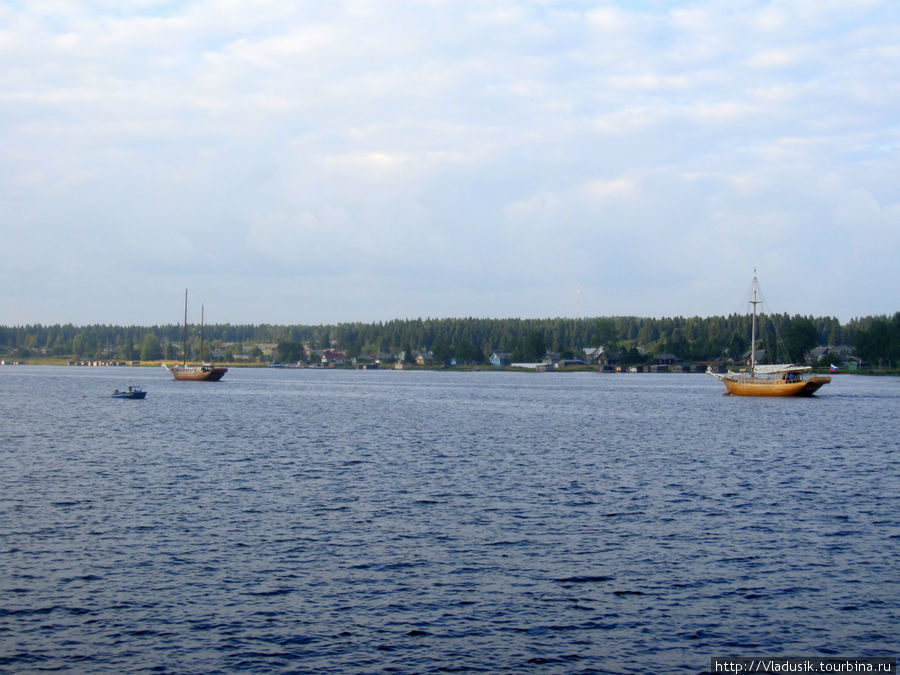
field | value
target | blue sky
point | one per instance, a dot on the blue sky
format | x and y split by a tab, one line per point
351	160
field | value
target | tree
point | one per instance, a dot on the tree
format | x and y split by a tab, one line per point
289	351
829	359
604	334
876	338
799	337
875	343
534	347
632	356
82	344
441	351
60	346
469	353
150	349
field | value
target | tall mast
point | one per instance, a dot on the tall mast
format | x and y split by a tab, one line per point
184	334
201	335
755	301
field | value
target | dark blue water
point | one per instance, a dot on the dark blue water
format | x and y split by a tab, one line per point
381	521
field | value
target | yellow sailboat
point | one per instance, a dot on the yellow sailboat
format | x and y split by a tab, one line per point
784	379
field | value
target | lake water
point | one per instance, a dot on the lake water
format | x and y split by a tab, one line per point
382	521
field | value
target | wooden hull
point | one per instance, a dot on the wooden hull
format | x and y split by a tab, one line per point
198	374
760	386
203	372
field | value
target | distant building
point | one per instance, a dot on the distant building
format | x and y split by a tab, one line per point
844	353
500	359
759	354
594	354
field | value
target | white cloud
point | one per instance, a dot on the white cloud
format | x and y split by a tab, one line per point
609	19
369	164
776	58
603	190
431	141
631	120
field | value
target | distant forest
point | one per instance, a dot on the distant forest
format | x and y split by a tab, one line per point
875	339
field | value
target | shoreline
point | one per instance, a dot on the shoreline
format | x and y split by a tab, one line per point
59	361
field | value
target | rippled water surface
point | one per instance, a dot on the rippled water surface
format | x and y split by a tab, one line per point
381	521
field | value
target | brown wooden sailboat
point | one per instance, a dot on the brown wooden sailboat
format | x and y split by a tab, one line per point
783	379
205	372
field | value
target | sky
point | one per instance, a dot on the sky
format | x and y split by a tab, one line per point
316	162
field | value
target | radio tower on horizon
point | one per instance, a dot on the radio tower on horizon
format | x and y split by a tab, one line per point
578	294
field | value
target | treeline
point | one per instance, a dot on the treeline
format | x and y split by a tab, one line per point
874	338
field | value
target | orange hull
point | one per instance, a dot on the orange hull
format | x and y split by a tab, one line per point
760	386
198	374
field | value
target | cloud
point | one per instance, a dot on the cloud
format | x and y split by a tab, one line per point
468	157
603	190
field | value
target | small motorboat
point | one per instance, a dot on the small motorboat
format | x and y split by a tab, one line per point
131	392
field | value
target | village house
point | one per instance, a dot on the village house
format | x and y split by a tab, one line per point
331	359
593	354
500	359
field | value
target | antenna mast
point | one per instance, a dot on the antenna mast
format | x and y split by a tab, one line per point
578	294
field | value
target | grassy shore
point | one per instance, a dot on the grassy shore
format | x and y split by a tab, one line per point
65	361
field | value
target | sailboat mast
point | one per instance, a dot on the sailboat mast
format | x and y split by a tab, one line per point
201	335
184	333
755	301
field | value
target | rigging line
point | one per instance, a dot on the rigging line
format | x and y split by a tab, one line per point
779	342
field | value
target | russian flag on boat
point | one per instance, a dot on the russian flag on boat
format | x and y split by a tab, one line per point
833	368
